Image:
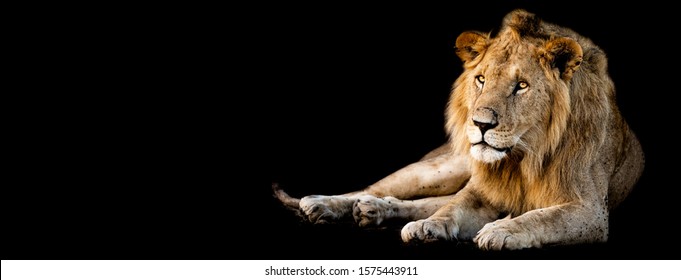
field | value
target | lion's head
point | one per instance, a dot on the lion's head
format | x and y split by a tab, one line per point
513	97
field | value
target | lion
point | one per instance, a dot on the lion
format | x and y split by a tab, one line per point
538	152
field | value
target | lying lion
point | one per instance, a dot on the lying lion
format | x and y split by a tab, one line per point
538	151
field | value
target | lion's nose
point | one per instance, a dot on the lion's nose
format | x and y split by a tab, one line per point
485	119
484	126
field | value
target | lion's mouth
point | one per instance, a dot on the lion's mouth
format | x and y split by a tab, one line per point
503	150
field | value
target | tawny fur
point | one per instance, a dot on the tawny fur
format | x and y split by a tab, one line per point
538	151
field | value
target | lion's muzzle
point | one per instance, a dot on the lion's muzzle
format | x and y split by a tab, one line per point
485	141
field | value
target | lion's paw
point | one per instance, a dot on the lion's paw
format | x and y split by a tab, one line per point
428	230
500	235
369	210
321	209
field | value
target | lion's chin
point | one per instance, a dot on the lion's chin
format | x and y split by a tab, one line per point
485	153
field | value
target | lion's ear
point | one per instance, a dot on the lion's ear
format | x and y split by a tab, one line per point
564	54
469	45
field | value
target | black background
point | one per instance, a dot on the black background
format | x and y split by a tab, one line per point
167	143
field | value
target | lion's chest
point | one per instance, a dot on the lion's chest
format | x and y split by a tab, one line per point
516	196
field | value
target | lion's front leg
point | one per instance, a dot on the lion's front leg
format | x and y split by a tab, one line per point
557	225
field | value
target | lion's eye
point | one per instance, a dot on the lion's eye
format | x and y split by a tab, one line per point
480	79
520	88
